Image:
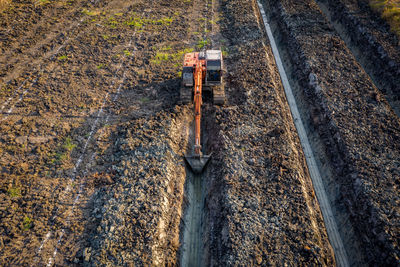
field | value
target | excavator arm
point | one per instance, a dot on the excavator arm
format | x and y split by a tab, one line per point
198	161
198	75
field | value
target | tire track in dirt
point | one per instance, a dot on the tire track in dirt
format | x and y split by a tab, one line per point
49	55
99	117
32	47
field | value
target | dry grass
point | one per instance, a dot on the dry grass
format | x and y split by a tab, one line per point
390	11
4	4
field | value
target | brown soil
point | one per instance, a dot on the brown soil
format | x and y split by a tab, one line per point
357	129
92	138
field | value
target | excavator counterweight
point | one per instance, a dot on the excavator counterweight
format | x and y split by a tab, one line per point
201	71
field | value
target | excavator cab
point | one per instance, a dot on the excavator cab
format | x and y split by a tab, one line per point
213	67
212	77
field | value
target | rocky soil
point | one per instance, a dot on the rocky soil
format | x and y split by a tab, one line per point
358	128
257	183
92	137
369	38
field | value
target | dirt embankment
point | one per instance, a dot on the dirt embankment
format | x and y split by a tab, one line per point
260	205
359	130
368	36
142	211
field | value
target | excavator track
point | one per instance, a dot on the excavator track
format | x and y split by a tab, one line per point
219	94
185	95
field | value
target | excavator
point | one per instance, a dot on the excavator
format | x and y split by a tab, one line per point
201	71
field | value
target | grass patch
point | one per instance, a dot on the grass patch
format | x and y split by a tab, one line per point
201	44
101	66
390	11
62	58
91	13
166	56
27	223
14	192
136	21
68	145
224	51
127	53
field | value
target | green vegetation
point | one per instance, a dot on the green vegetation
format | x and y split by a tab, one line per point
14	192
127	53
62	58
64	153
136	21
390	11
224	51
201	44
68	145
90	13
112	22
27	223
165	56
101	66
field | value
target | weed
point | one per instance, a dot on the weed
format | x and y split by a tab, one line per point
127	53
27	223
390	11
62	58
112	22
101	66
135	23
68	145
224	51
14	192
138	22
201	44
162	56
90	13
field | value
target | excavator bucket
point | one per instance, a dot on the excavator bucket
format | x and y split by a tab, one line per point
197	163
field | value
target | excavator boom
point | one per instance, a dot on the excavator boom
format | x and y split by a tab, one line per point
197	161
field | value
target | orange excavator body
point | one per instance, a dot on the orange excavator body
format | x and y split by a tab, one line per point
197	161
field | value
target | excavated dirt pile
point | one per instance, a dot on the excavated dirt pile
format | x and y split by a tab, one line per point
359	130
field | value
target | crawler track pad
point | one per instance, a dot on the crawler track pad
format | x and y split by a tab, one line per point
197	163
